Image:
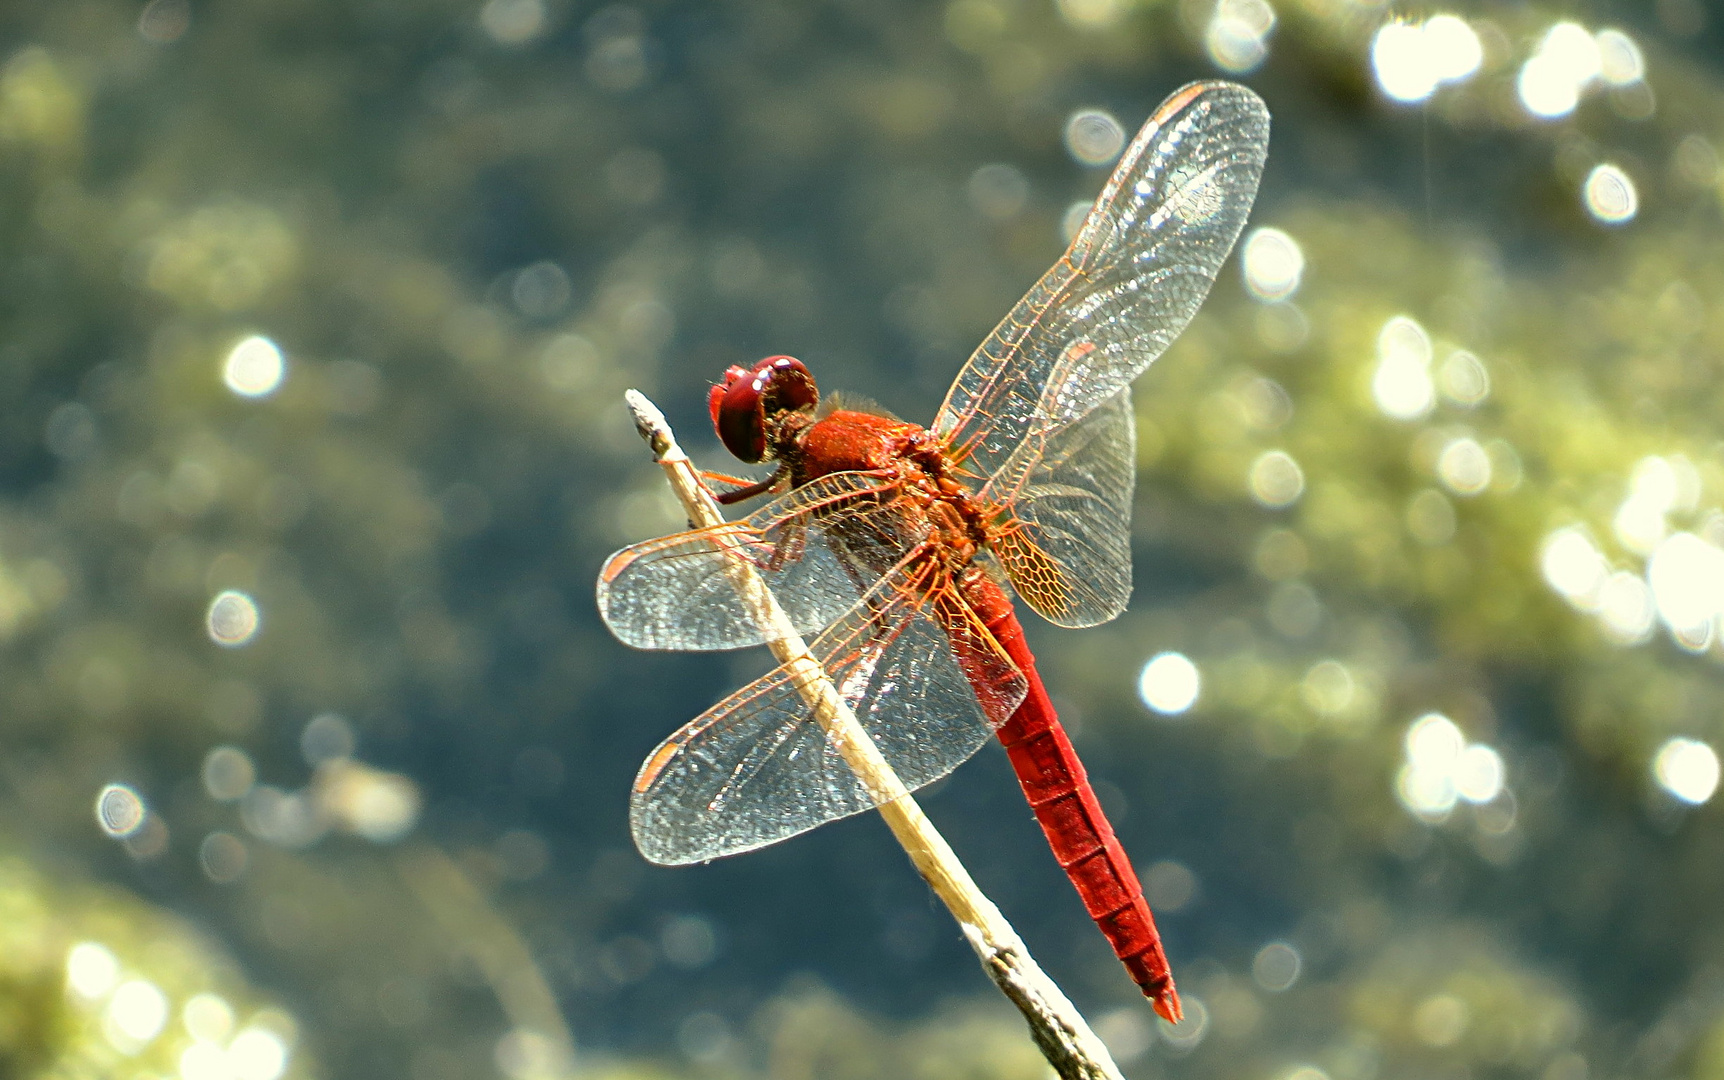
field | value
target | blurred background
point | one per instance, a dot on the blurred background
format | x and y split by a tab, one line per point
314	321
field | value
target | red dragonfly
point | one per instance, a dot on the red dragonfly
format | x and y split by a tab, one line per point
887	539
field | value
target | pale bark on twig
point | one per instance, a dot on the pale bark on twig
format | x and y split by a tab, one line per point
1065	1039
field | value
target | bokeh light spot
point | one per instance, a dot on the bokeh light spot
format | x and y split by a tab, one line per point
163	22
1441	1020
1426	783
1609	195
1276	967
689	941
1552	79
1189	1032
999	191
137	1012
232	619
290	820
1126	1032
1427	793
228	773
378	805
1668	483
1640	523
1507	472
326	737
204	1061
513	22
1464	379
1264	404
208	1017
1498	816
1431	517
618	57
223	857
1403	65
1073	218
1625	608
1169	683
1294	610
1464	467
254	368
1478	773
91	970
1410	60
568	361
1091	14
1454	46
1576	52
1273	264
1402	384
1094	137
1328	688
1686	575
1281	555
1620	60
1237	37
541	290
1695	161
1687	769
1544	90
119	811
1169	886
1282	327
257	1053
1276	480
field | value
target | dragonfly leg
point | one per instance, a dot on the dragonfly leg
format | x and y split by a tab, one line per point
712	476
747	491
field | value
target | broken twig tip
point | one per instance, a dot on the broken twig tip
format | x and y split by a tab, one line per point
650	422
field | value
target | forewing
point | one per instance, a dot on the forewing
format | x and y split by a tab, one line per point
758	767
1069	553
679	592
1133	277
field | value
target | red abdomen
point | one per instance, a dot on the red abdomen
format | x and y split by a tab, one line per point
1065	806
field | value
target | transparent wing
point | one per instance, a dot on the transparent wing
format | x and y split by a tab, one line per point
1069	551
918	669
1131	280
676	592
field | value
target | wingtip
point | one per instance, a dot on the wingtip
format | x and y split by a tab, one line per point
616	564
1182	97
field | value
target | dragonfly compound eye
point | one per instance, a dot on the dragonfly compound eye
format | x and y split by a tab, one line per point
745	404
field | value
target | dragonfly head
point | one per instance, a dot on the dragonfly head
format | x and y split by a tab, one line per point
746	406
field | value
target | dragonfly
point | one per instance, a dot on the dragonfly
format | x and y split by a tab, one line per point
893	545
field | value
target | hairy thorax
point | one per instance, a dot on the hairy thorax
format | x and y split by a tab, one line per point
933	501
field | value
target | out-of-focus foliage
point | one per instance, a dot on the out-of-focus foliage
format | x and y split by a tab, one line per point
314	318
95	983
